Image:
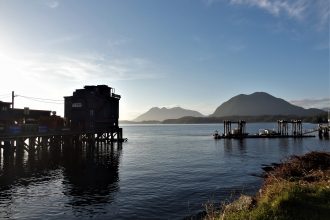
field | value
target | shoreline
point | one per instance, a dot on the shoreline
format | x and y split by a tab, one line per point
298	188
323	118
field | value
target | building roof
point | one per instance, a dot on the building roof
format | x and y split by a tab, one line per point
5	103
98	86
100	90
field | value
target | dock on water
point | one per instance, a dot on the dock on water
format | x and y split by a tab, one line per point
32	142
285	129
90	119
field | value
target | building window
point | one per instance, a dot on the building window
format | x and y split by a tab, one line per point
91	112
76	105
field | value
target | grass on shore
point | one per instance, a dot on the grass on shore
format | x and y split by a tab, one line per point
297	189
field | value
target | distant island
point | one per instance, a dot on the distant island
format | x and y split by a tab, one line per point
161	114
256	107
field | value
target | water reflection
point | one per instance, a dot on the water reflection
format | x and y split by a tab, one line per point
91	176
228	145
88	175
284	147
232	144
284	142
242	146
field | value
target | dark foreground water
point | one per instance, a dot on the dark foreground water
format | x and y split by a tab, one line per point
162	172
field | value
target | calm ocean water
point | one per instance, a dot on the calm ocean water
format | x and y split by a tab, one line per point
162	172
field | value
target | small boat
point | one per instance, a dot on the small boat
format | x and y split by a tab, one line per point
216	135
266	132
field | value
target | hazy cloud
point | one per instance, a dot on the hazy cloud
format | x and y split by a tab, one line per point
54	76
323	7
118	42
89	66
297	9
62	40
294	8
52	4
210	2
236	47
322	46
312	103
78	68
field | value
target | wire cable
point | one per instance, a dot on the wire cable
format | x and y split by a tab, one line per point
29	97
51	101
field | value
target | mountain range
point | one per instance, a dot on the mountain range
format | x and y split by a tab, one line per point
161	114
261	103
255	105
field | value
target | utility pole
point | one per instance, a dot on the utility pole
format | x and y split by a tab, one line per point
12	99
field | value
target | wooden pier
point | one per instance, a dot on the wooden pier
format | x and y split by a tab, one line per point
32	142
90	117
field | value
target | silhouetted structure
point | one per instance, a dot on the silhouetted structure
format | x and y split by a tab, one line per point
240	131
21	117
296	128
92	119
282	130
227	127
92	108
4	106
4	115
282	127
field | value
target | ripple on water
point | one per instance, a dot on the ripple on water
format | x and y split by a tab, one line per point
162	172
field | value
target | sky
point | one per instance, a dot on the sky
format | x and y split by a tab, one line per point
195	54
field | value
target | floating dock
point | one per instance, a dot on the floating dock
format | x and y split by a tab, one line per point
283	131
260	136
